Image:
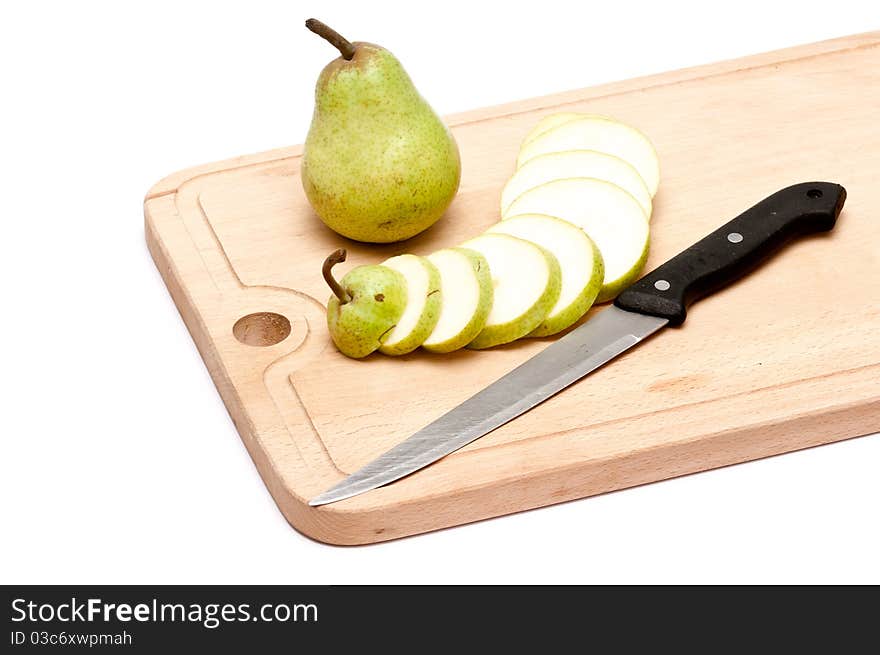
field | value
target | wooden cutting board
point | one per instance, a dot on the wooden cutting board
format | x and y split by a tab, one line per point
786	359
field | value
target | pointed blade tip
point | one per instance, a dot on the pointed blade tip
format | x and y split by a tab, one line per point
325	499
337	493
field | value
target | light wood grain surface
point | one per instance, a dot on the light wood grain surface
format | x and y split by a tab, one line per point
786	359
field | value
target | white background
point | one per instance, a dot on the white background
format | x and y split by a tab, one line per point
119	461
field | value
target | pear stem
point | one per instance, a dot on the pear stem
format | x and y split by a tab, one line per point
334	258
332	36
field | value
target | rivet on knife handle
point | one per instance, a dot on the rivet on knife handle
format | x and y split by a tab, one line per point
734	249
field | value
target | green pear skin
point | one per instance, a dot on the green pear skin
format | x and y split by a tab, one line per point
573	249
431	304
575	312
379	165
610	291
477	319
378	298
498	334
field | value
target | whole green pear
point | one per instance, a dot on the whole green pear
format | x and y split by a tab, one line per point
379	165
365	306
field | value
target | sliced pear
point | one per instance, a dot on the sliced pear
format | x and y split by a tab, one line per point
579	262
549	122
602	134
526	280
610	216
466	289
423	303
576	163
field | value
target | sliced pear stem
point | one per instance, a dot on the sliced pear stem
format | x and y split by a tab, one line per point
334	258
332	36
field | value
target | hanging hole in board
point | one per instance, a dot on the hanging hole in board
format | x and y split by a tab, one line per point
261	329
814	193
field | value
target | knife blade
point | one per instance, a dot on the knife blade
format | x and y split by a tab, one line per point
657	300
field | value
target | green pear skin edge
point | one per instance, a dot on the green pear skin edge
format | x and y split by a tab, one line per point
555	120
576	310
428	319
548	123
587	296
357	332
610	290
652	184
641	193
484	305
496	335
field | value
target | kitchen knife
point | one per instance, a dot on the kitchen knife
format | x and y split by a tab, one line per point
658	300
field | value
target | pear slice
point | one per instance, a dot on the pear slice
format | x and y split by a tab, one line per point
526	280
579	261
610	216
423	303
466	290
576	163
604	135
549	122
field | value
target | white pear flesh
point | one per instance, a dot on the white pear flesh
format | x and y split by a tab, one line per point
576	163
549	122
610	216
602	134
423	304
579	262
466	291
526	282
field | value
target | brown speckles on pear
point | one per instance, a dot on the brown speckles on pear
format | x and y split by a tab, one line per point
379	165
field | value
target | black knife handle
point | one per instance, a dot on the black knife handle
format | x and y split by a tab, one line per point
734	249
